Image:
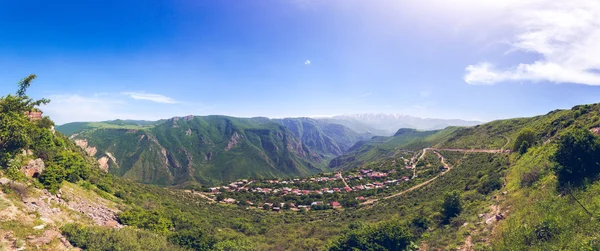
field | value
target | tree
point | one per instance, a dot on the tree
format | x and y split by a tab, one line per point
525	135
15	127
577	158
451	206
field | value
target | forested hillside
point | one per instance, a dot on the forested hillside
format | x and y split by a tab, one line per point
517	184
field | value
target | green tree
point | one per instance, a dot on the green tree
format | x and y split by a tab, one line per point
525	135
451	206
15	127
52	177
577	158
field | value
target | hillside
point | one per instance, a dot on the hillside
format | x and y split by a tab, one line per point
515	184
325	138
385	147
207	150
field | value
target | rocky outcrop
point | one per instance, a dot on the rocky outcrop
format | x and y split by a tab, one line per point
188	132
83	143
33	168
103	163
235	139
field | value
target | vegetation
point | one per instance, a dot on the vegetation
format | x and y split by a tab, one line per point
451	206
499	201
98	238
383	236
578	158
525	139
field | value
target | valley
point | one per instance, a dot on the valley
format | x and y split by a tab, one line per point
225	183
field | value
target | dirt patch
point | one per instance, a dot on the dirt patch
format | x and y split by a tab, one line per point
103	163
83	143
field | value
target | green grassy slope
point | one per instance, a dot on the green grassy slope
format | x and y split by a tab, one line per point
382	147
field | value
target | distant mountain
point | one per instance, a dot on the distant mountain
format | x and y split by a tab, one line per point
388	124
325	138
212	149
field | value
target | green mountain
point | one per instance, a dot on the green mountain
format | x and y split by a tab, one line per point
207	150
386	147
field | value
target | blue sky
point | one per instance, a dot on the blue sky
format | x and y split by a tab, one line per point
151	59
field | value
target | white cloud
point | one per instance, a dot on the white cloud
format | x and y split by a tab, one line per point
150	97
307	62
565	34
73	107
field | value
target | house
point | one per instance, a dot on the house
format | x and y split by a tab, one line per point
360	198
348	189
229	201
316	203
276	209
34	115
335	205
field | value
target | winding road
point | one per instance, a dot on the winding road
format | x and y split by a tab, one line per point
443	160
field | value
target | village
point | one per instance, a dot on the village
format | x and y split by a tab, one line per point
327	191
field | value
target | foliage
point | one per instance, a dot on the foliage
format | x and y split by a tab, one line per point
525	139
52	177
152	220
451	207
391	235
193	239
577	157
99	238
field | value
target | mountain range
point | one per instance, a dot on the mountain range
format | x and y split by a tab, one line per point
387	124
215	149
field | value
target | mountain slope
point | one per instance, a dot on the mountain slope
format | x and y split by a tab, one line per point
208	150
325	138
384	147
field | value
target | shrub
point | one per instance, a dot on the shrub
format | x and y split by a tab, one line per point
98	238
194	239
451	206
52	178
151	220
492	182
389	235
528	178
577	158
525	135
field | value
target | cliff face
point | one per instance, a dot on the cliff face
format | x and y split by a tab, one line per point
207	150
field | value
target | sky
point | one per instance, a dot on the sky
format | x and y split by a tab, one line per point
151	59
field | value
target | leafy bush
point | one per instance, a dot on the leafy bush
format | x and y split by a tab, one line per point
389	235
152	220
578	157
194	239
525	139
52	177
98	238
451	206
492	182
528	178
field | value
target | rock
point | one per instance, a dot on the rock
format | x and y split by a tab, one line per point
34	168
39	227
4	181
